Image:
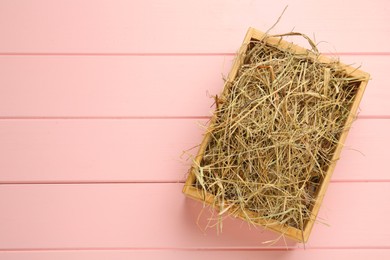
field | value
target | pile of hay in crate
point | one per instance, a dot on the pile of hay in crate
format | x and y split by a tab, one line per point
277	131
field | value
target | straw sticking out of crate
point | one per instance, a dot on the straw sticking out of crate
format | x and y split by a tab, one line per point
277	130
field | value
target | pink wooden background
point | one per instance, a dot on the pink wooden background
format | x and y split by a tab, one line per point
98	99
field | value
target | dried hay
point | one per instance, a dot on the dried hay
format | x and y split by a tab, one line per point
276	127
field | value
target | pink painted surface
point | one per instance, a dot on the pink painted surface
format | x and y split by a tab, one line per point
133	86
112	150
217	26
156	215
122	254
98	99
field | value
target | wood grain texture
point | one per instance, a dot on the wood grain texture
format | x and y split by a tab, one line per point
138	86
216	26
308	254
139	150
136	216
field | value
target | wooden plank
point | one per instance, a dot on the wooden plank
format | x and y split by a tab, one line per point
138	86
60	86
176	26
122	150
318	254
95	150
142	216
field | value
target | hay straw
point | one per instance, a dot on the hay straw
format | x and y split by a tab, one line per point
277	126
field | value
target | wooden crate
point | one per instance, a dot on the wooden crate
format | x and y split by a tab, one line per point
296	234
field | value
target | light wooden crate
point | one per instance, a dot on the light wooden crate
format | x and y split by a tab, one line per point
296	234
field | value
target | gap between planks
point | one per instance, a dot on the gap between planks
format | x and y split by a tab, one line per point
140	117
101	117
151	182
195	249
169	54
